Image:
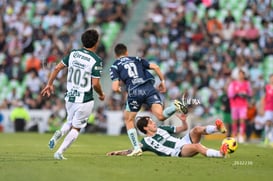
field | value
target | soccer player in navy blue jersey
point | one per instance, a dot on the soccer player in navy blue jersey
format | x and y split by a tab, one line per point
139	82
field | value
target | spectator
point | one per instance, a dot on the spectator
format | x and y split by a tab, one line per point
214	27
228	31
251	114
33	63
16	69
19	116
15	45
33	82
252	33
268	49
259	122
268	14
3	42
106	13
229	18
28	99
13	95
225	108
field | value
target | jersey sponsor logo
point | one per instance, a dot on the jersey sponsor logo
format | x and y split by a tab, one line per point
138	81
78	55
136	92
134	104
73	93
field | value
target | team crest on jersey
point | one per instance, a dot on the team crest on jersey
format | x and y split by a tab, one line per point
134	104
78	55
98	68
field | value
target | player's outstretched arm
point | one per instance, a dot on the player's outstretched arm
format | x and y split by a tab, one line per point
184	126
119	153
162	87
49	88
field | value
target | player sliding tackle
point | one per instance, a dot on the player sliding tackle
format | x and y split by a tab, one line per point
160	141
139	83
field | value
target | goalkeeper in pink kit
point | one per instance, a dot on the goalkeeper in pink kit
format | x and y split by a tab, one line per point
239	91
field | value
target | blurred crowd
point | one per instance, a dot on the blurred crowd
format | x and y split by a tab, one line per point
202	45
35	35
201	53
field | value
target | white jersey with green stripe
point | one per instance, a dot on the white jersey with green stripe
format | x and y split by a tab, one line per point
82	66
162	143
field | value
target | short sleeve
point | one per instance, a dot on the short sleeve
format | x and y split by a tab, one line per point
114	72
144	62
97	69
169	129
65	60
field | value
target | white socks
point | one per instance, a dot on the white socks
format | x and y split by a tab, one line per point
213	153
211	129
69	139
65	128
132	134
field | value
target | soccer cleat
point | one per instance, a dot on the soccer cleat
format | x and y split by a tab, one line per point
52	142
224	149
220	126
137	152
180	107
59	156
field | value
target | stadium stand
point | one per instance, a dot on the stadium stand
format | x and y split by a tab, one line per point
208	36
43	32
199	44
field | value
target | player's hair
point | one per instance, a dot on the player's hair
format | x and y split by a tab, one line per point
142	121
120	49
89	38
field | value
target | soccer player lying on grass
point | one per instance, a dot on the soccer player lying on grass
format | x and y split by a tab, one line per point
160	141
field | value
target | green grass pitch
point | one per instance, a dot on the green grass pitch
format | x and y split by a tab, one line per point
26	157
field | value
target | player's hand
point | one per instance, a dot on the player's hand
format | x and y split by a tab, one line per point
183	117
162	87
102	97
48	90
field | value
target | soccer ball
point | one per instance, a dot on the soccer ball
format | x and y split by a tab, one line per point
232	144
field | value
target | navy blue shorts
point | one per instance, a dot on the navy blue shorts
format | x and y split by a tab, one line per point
143	94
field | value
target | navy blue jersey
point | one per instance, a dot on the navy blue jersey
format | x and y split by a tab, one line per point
132	71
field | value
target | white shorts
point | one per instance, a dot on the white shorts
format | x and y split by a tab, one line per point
78	113
177	150
268	116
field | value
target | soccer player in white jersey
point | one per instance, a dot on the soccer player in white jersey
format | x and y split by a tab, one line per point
160	141
84	72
